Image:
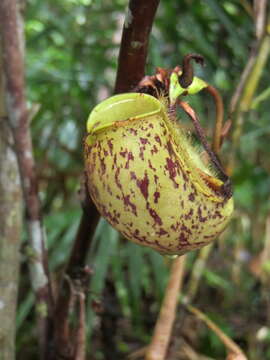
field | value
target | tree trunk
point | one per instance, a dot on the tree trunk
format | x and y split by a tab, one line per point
10	233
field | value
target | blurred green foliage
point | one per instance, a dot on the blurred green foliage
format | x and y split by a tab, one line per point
71	61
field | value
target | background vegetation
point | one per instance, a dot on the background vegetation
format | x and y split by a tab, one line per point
71	61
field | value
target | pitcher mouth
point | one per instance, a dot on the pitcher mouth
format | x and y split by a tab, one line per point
121	108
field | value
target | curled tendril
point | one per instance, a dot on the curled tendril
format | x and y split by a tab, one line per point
186	78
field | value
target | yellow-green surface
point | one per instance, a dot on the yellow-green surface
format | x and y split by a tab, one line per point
147	180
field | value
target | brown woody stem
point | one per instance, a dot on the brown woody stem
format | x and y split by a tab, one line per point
81	333
134	44
75	271
162	333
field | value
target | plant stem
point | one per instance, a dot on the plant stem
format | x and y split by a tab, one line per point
217	138
256	74
80	349
242	100
163	328
260	98
231	346
134	44
260	17
197	272
75	272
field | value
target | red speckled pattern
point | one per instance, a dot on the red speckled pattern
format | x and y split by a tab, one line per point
144	183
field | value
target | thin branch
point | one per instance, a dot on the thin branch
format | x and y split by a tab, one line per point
255	74
264	95
134	44
230	345
163	328
260	17
137	354
242	100
233	356
13	65
217	139
190	354
74	272
239	89
80	343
